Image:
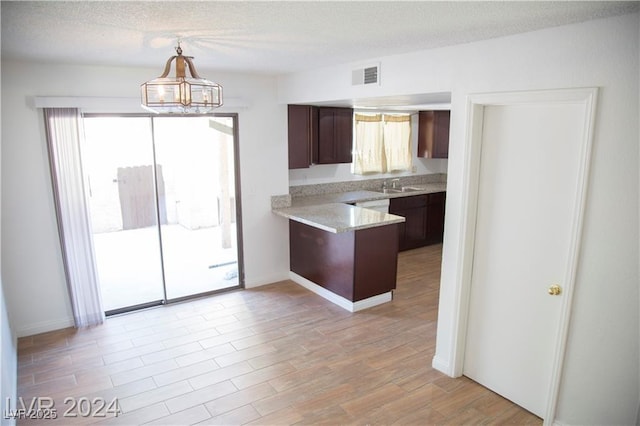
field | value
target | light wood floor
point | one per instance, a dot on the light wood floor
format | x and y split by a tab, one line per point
273	355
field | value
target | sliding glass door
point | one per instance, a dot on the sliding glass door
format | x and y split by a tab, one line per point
118	161
197	204
162	196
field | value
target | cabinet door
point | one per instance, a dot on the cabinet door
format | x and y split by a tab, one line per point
413	232
425	134
435	217
335	135
441	134
303	131
343	134
433	134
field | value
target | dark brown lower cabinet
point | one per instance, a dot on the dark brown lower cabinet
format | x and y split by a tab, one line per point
435	217
413	232
424	219
355	265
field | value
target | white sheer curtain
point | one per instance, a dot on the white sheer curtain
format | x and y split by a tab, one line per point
397	142
383	143
369	150
64	133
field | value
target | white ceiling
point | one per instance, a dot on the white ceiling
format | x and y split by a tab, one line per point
268	37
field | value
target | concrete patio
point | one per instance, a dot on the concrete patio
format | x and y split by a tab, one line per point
129	265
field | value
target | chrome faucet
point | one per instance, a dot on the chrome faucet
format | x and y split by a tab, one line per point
390	183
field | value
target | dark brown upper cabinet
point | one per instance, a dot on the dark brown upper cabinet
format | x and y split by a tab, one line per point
319	135
433	134
303	135
335	135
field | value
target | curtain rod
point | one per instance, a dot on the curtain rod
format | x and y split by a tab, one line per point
98	104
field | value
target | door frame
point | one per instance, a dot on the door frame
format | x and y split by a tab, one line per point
473	145
234	116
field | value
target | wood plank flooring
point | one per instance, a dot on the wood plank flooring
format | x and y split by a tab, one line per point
274	355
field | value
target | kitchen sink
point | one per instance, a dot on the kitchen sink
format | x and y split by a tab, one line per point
401	190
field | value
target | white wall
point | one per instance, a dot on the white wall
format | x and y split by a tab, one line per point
600	383
8	362
601	378
33	274
8	356
638	118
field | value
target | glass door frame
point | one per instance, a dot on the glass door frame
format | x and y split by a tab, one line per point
237	205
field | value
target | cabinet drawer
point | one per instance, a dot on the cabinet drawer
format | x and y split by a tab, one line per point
411	202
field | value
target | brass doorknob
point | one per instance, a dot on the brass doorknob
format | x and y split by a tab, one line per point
555	290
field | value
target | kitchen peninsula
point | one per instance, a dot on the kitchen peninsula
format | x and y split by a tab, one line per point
342	252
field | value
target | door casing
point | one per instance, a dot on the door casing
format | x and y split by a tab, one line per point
475	110
161	214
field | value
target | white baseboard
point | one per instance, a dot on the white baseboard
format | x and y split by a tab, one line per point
442	366
43	327
339	300
265	280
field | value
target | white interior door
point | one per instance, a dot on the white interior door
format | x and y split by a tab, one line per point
530	168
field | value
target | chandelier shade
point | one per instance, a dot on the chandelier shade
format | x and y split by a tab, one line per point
181	94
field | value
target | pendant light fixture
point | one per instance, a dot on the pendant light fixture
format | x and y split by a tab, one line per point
181	94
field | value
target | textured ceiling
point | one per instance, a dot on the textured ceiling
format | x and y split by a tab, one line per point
268	37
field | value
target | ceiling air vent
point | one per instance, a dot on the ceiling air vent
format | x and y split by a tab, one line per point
366	75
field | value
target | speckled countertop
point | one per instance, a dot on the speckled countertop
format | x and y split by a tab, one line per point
338	217
333	212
